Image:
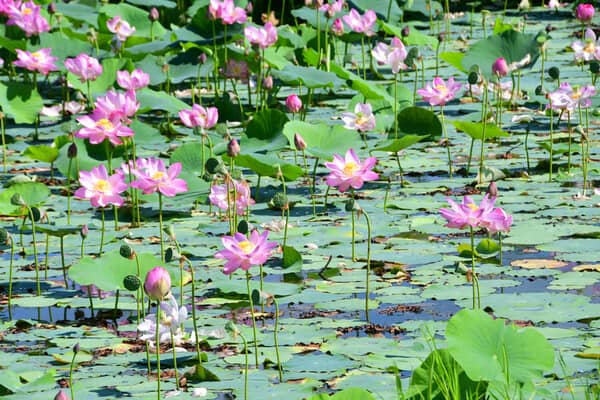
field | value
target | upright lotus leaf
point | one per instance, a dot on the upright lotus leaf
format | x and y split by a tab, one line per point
33	193
513	46
419	121
396	145
454	58
323	141
41	152
475	130
152	100
309	77
490	350
267	165
192	156
263	132
20	101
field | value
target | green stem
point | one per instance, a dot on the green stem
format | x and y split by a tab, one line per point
62	260
551	141
3	133
395	106
473	277
484	121
35	253
101	233
157	338
368	265
313	187
353	230
69	165
174	360
500	243
71	376
253	318
245	366
160	227
276	341
447	141
569	130
526	145
470	157
10	272
194	312
362	49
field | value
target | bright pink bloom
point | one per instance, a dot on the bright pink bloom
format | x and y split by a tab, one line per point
220	198
39	61
263	37
97	127
86	68
293	103
237	70
584	12
155	177
500	67
337	27
118	105
138	79
120	28
467	213
242	252
496	220
361	24
440	92
5	6
227	12
393	55
332	8
100	188
157	284
204	118
350	171
362	119
27	17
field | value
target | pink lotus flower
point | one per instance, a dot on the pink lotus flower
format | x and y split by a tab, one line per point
440	92
569	98
500	67
263	37
588	50
86	68
120	28
135	80
157	284
337	27
467	213
97	127
242	252
227	12
361	24
100	188
220	197
5	6
293	103
237	70
393	55
39	61
362	120
332	8
27	17
350	172
199	116
118	105
496	221
584	12
155	177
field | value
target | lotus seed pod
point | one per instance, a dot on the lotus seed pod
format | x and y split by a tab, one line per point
280	201
212	165
243	227
554	72
132	283
594	67
473	78
126	251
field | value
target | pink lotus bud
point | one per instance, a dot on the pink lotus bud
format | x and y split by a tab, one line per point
584	12
500	67
249	8
338	27
61	396
51	8
158	283
202	58
233	148
267	82
84	231
493	189
299	142
153	14
293	103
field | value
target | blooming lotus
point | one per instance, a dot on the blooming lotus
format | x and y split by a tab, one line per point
135	80
27	17
496	220
332	8
467	213
349	171
154	177
439	92
97	127
222	195
263	37
362	119
237	70
227	12
120	28
199	116
242	252
171	318
86	68
393	55
117	105
100	188
39	61
569	98
361	23
587	50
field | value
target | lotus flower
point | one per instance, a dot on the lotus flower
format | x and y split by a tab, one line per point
135	80
361	23
440	92
39	61
588	50
120	28
362	119
263	37
393	55
100	188
86	68
199	116
242	252
154	177
222	195
27	17
97	127
467	213
350	171
157	284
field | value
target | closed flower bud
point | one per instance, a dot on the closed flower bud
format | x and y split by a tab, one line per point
84	231
158	283
268	82
500	67
493	189
233	148
76	348
72	150
153	14
405	31
293	103
202	58
61	396
584	12
51	8
299	142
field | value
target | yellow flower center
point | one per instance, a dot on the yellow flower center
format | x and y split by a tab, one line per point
158	175
473	206
442	89
36	55
102	185
350	168
361	119
590	47
27	11
576	94
246	246
105	124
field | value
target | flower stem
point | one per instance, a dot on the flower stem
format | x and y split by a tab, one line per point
157	338
175	361
473	277
362	50
313	188
194	312
246	366
395	106
71	376
551	141
35	252
62	259
447	141
569	130
368	264
101	233
500	243
253	318
160	227
353	230
276	341
3	132
10	272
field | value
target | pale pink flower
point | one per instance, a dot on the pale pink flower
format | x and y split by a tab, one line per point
97	127
120	28
70	107
135	80
242	252
467	213
361	23
237	70
332	8
584	12
349	171
263	37
337	27
293	103
118	105
569	98
86	68
362	119
100	188
157	284
39	61
27	17
393	55
227	12
155	177
554	4
497	220
440	92
587	50
220	197
199	116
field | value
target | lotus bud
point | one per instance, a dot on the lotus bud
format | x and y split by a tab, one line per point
76	348
72	150
500	67
268	82
584	12
549	28
337	27
153	14
132	283
405	31
61	396
126	251
202	58
51	8
299	142
84	231
554	73
441	37
233	148
158	283
293	103
492	189
249	8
